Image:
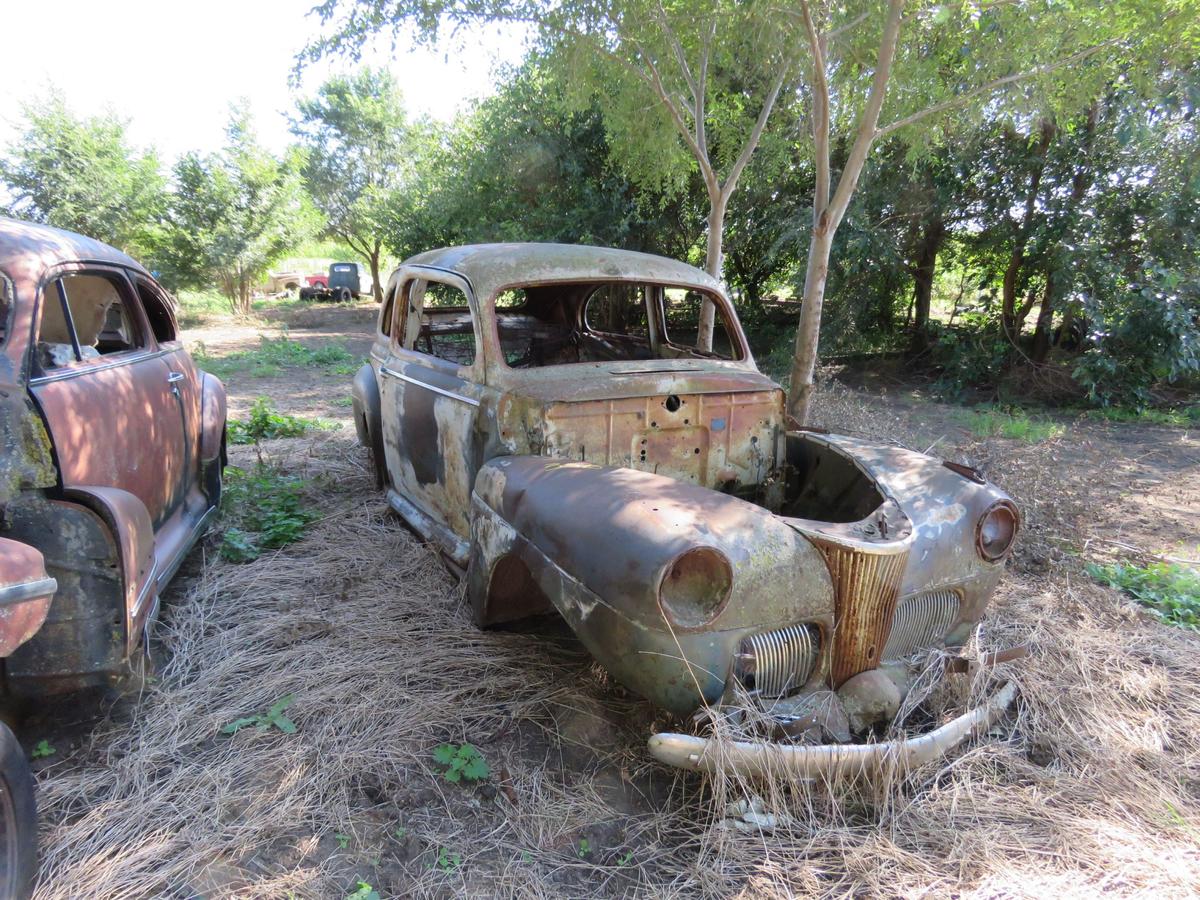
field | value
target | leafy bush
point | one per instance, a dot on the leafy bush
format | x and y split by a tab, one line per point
264	422
264	509
1152	335
1171	590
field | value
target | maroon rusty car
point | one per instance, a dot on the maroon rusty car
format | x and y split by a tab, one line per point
111	456
548	417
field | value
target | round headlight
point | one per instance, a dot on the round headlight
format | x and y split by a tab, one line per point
695	587
997	530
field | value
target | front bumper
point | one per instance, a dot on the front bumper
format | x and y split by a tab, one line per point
762	759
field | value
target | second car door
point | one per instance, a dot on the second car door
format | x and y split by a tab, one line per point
431	396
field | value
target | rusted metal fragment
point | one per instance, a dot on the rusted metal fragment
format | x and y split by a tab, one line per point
25	593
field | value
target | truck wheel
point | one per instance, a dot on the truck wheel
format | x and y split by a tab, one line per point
344	295
18	820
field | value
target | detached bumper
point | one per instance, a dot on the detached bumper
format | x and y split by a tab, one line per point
759	759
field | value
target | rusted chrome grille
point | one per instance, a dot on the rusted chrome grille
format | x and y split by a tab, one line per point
866	585
776	662
920	622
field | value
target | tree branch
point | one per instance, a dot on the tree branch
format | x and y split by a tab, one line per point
820	125
870	117
677	48
989	87
748	148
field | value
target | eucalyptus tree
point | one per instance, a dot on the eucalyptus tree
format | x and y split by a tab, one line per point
82	174
356	136
683	84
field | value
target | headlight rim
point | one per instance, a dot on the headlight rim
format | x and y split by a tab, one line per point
981	547
672	615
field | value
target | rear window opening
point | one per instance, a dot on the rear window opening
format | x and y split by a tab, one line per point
85	316
598	321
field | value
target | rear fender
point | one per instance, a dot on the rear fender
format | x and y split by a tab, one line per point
368	420
212	420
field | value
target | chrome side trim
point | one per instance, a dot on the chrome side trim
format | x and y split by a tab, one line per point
27	590
429	387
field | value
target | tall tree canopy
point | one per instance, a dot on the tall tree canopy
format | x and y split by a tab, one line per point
356	135
233	214
82	174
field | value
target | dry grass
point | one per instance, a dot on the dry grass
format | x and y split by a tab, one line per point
1092	786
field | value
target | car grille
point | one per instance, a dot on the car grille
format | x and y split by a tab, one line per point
921	622
776	662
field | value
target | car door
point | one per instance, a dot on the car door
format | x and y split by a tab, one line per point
184	380
432	397
104	389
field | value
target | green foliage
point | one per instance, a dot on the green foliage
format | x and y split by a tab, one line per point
263	509
584	848
196	307
1170	590
358	156
343	840
81	174
232	215
275	354
1011	423
41	750
447	861
1184	417
363	891
265	423
272	718
461	761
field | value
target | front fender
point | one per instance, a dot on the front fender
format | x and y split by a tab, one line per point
25	593
597	543
368	419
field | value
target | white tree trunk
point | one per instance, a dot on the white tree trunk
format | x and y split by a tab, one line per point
714	261
804	358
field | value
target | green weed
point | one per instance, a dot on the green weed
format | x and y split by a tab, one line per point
41	750
585	848
198	307
1183	417
1170	590
1015	424
363	891
263	509
344	401
343	840
273	717
461	761
447	861
264	422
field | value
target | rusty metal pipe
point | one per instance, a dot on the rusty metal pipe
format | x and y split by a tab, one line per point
757	759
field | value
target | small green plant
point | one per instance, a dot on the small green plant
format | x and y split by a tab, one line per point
1182	417
272	718
626	858
1170	590
344	401
461	761
343	840
263	510
447	861
264	423
1015	424
41	750
363	891
585	848
400	832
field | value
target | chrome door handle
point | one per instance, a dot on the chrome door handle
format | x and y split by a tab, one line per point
174	377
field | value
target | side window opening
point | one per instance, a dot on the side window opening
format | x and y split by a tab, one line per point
158	312
439	322
385	315
681	325
85	316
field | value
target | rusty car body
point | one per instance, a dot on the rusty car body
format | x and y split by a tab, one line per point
546	416
112	447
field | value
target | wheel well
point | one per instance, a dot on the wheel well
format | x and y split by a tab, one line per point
513	593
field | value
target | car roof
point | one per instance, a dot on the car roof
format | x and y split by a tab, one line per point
492	266
32	249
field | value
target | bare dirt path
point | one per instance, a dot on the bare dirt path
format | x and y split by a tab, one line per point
366	632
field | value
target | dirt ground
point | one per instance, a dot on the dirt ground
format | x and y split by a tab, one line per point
1091	786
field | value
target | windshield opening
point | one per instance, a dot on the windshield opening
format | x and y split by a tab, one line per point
607	321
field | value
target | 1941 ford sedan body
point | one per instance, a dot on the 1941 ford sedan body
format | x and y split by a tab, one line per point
544	414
